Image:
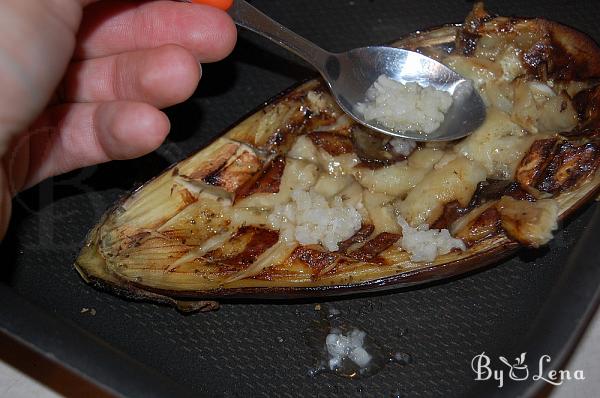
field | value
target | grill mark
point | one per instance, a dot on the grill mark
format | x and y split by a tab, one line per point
370	165
486	191
215	164
452	212
490	190
266	181
587	105
261	240
569	167
515	191
552	166
535	60
573	55
466	42
332	142
322	119
232	175
360	236
134	240
278	139
317	260
468	36
282	139
370	251
186	197
488	224
535	161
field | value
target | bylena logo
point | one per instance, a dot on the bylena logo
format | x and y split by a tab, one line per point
519	371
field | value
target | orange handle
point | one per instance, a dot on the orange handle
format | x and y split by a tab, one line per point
222	4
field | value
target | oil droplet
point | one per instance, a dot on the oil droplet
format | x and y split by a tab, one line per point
401	358
316	371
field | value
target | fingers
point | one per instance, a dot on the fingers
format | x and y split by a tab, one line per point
35	48
162	77
114	26
77	135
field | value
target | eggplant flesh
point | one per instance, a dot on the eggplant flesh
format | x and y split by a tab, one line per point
200	231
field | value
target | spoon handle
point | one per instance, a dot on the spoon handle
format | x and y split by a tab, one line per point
252	19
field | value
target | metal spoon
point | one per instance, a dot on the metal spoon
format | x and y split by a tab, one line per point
351	73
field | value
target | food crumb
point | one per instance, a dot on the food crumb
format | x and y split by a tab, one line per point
425	244
310	219
317	307
90	311
341	346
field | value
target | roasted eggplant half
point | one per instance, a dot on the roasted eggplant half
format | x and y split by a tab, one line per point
297	200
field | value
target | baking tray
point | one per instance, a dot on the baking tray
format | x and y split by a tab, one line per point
538	301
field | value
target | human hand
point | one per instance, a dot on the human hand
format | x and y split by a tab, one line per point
83	83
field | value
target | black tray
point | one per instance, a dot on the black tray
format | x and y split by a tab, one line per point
539	301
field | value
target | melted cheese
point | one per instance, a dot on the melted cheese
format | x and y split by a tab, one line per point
353	195
303	149
519	112
398	179
498	145
381	212
510	63
498	73
457	180
538	109
480	71
339	165
329	186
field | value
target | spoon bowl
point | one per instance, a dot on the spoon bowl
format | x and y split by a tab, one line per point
350	74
